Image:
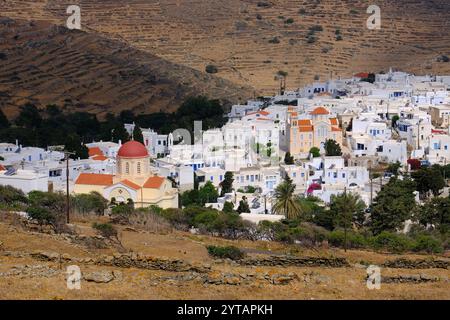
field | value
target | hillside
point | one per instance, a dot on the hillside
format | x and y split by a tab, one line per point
176	265
45	63
238	36
149	55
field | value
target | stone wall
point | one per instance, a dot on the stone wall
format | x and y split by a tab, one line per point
288	261
417	264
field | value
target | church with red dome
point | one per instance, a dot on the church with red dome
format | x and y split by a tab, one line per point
133	180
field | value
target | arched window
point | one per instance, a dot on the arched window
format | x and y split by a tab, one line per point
127	168
139	168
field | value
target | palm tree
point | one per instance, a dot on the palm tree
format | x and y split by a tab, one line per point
347	208
286	203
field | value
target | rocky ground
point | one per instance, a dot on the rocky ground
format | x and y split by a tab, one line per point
176	266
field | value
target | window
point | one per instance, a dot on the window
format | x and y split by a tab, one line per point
212	178
127	168
139	168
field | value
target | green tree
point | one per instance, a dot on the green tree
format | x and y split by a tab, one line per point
315	152
228	207
394	120
190	197
436	212
243	206
29	117
393	205
269	149
227	183
394	167
428	179
286	203
332	148
4	122
137	134
345	208
92	202
288	159
73	144
208	193
120	133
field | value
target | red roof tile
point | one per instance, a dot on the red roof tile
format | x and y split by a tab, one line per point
334	121
304	122
2	168
154	182
306	129
130	184
95	151
320	111
95	179
335	129
99	158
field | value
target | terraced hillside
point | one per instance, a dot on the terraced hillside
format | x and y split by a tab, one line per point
251	40
45	63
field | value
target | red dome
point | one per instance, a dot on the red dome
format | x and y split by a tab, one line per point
133	149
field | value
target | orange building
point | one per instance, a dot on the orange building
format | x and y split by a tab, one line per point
305	133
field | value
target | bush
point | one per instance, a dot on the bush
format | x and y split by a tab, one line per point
354	240
107	230
121	213
229	252
393	242
11	196
427	243
274	40
211	69
41	215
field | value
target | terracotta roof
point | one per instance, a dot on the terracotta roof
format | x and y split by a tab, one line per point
154	182
294	114
306	129
264	113
2	168
362	75
319	110
334	121
130	184
304	122
95	151
133	149
438	131
335	129
95	179
265	119
99	158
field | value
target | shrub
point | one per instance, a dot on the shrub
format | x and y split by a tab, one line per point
427	243
107	230
10	195
392	241
211	69
354	240
274	40
121	213
229	252
42	215
289	21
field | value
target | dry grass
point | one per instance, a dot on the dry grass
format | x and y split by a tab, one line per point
342	283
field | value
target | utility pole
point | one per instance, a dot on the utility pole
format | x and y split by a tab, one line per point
67	157
345	222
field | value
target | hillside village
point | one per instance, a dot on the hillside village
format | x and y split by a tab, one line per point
396	119
294	196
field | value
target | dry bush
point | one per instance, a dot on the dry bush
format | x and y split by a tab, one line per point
149	221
